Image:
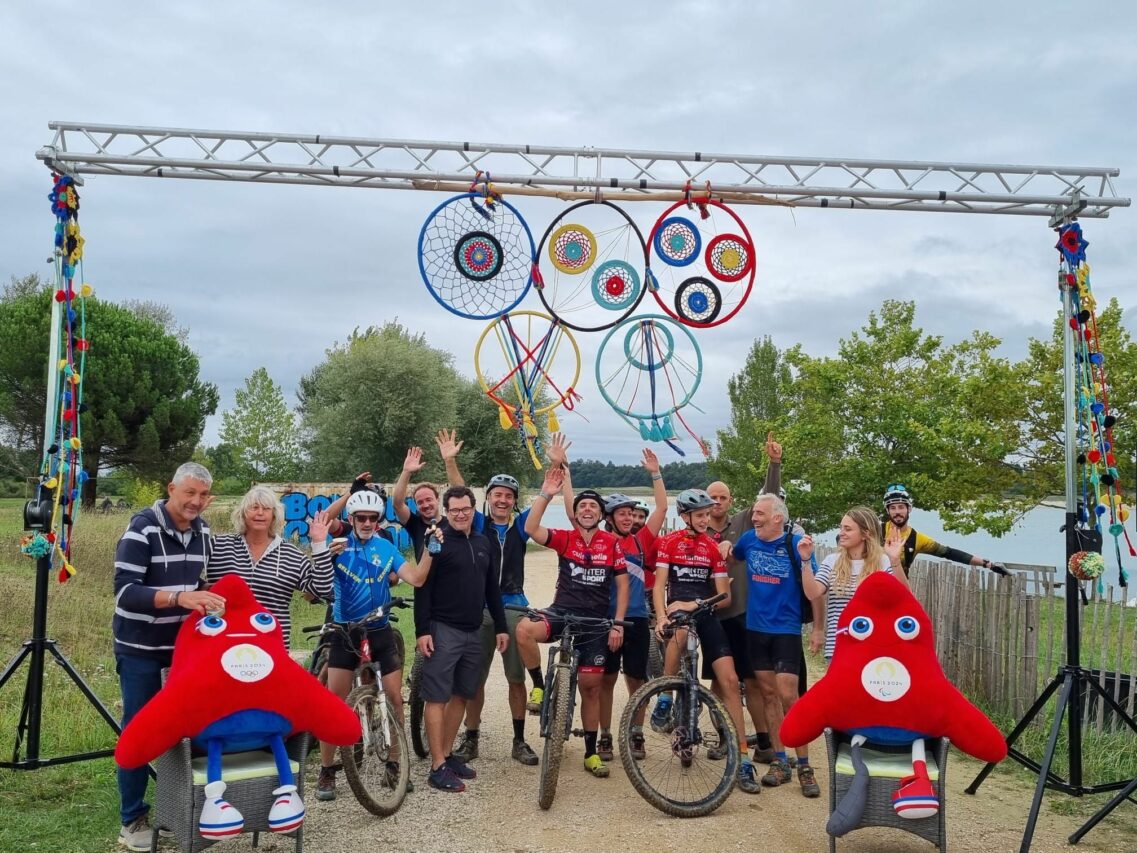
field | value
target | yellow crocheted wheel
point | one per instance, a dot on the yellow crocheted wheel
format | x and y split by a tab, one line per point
572	249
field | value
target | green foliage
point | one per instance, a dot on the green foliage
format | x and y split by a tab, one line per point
260	431
385	390
146	406
894	405
593	474
142	493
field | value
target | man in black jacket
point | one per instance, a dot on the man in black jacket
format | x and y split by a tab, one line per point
448	620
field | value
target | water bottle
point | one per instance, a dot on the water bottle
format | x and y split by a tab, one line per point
433	546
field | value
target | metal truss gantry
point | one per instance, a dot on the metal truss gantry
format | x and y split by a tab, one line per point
856	184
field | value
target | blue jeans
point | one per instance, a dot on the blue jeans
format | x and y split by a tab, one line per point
139	678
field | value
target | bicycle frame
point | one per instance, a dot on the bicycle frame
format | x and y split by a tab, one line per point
562	652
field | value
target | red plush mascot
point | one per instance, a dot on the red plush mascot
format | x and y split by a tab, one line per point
885	685
233	687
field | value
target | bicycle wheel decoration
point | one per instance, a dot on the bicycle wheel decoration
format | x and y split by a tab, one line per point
591	266
648	369
703	265
476	255
528	363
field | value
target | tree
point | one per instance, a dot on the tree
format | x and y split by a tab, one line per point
894	405
145	405
261	429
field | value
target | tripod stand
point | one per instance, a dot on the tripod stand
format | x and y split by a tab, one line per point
1072	682
35	652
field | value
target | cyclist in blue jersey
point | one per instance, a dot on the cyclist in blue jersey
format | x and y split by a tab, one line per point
361	583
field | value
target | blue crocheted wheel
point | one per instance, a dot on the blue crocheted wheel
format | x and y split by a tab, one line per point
677	241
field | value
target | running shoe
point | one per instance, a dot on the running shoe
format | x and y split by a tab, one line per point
326	784
778	774
809	786
596	767
536	697
748	778
467	749
638	751
444	780
661	717
604	747
459	768
524	754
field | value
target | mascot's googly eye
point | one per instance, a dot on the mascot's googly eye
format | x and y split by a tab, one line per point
907	628
211	626
860	628
263	622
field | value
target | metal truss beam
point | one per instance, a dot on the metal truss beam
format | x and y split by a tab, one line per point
856	184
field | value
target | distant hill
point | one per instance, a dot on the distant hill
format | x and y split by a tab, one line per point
593	474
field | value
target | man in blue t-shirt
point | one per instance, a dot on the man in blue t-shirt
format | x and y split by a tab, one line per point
774	617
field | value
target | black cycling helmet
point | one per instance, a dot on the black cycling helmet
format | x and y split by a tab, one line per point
505	481
690	500
616	500
896	494
587	494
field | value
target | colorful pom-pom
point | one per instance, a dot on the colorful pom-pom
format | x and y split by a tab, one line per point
1086	565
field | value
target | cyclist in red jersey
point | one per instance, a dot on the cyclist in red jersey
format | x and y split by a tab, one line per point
590	563
689	567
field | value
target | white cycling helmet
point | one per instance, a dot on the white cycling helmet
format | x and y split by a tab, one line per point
366	501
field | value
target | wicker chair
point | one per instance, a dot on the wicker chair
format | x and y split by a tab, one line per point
878	808
250	779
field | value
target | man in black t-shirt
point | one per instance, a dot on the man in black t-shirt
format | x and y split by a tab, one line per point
425	495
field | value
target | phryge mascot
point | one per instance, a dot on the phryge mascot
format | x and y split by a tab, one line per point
885	685
233	687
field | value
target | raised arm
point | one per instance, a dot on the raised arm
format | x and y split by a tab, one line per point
659	492
774	467
554	478
449	447
411	465
557	454
335	508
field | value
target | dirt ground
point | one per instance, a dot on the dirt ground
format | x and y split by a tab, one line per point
499	809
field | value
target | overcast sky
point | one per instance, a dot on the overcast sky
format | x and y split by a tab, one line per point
273	275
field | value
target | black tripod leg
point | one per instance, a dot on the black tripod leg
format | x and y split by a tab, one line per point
1019	728
1047	760
1121	796
14	664
85	688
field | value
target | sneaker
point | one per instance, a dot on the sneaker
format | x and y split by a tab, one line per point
763	756
604	747
459	767
809	786
326	784
467	749
748	778
778	774
444	780
638	751
596	767
661	716
916	797
392	777
136	834
536	698
718	752
523	754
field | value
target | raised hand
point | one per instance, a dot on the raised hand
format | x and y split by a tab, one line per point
557	451
773	449
894	547
650	461
448	445
414	462
318	527
805	548
554	479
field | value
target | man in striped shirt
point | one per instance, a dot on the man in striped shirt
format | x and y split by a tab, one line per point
159	564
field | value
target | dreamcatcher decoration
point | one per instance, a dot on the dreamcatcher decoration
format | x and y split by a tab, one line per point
476	253
1103	506
648	369
701	261
528	363
592	261
61	472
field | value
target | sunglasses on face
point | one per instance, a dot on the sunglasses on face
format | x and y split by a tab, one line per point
366	519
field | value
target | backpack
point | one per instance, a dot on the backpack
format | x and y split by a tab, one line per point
795	562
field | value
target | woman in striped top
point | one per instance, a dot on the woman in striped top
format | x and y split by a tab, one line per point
273	568
858	555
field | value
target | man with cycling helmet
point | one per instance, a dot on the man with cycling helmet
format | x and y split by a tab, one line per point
897	508
361	583
689	568
590	563
504	527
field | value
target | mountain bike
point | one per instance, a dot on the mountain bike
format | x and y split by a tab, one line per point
377	766
560	693
417	706
675	773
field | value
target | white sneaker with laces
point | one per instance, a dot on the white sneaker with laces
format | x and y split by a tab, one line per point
136	835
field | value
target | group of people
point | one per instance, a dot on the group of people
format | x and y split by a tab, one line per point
612	562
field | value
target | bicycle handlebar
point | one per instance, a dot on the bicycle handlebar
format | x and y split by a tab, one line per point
534	614
702	605
375	614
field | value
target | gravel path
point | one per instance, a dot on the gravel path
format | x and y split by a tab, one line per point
499	809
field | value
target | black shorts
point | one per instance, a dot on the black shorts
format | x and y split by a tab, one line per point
591	645
455	667
735	630
775	652
343	655
633	654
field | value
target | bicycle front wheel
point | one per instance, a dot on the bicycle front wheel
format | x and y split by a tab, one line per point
559	699
377	767
418	709
674	773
